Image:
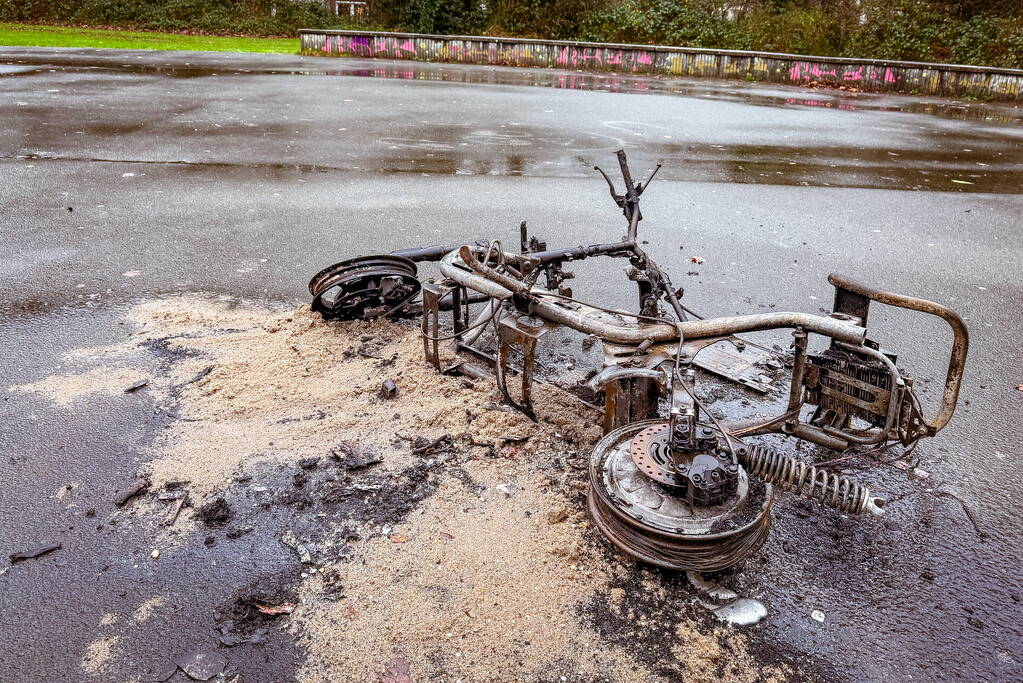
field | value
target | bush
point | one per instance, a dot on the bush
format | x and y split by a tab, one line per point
247	17
983	32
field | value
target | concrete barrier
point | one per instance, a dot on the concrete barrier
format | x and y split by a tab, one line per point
874	75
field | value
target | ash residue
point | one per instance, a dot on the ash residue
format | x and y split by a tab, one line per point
652	613
215	513
262	601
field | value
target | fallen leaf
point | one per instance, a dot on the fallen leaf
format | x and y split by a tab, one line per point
273	610
396	538
446	535
697	259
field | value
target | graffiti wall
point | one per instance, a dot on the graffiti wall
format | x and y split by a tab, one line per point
868	75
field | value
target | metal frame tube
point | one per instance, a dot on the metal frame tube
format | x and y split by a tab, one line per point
486	280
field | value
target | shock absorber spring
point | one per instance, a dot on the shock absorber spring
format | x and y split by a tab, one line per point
809	481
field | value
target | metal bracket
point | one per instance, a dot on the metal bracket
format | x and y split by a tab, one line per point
433	294
523	331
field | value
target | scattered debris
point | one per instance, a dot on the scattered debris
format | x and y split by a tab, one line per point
155	554
199	375
135	386
262	601
161	674
423	446
817	615
398	538
742	612
832	85
175	510
216	513
202	666
352	457
38	552
698	260
388	389
289	539
397	671
139	486
275	610
966	509
230	638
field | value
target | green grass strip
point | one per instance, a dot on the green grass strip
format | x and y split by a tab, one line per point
65	36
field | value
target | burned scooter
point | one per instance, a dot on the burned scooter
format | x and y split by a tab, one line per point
675	486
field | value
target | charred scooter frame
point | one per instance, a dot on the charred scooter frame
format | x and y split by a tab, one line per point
682	490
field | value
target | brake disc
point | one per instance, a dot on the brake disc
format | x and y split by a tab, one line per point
364	287
643	517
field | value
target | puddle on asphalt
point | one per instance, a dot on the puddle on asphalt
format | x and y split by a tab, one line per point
758	94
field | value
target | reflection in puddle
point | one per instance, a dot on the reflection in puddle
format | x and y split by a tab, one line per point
932	157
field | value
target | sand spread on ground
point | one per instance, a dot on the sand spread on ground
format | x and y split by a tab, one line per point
487	579
98	655
282	387
147	608
65	390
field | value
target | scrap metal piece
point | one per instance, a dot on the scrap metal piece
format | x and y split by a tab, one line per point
632	381
809	481
388	389
653	524
846	287
202	666
435	296
748	366
522	332
364	287
137	487
37	552
844	386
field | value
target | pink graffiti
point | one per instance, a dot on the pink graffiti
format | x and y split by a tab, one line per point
326	44
804	71
645	58
856	75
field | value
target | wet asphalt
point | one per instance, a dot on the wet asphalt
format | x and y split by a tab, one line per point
242	175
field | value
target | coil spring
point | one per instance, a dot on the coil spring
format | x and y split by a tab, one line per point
804	479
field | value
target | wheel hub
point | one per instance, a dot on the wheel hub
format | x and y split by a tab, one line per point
637	503
364	287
